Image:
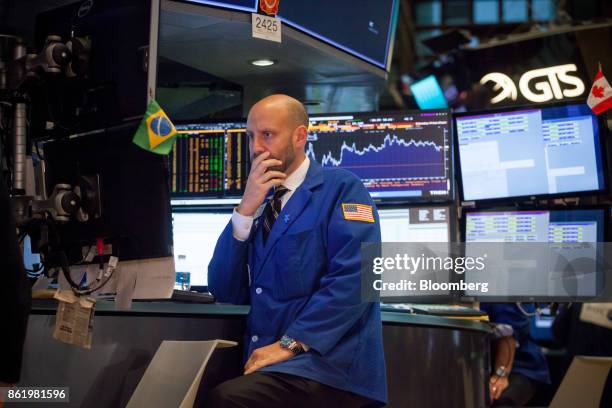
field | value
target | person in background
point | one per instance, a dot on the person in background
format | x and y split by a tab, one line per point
519	367
14	295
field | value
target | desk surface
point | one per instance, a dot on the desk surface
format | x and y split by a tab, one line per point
169	308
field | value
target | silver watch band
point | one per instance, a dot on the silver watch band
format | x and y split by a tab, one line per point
501	371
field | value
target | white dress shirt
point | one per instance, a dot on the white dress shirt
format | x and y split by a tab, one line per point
241	224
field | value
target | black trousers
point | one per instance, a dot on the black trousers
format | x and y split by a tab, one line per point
270	390
520	390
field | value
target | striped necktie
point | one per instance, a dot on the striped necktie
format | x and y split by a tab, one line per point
273	208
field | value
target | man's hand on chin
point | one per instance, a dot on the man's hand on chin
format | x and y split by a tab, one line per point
265	356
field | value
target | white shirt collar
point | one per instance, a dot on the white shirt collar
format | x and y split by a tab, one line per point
295	179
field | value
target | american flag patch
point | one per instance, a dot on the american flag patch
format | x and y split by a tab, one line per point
358	212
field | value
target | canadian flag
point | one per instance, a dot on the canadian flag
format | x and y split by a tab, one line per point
600	97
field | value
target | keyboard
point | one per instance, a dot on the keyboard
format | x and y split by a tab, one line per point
191	297
434	310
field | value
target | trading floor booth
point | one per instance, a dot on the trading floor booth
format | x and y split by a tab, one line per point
437	177
418	348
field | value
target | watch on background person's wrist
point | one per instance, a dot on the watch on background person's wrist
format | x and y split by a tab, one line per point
501	372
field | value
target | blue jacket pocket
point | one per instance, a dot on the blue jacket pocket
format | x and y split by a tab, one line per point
299	261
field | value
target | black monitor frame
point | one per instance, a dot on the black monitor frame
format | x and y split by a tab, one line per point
135	212
604	148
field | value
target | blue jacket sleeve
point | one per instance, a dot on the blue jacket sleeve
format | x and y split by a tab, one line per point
337	305
509	313
228	278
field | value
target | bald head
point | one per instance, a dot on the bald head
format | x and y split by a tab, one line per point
278	124
295	111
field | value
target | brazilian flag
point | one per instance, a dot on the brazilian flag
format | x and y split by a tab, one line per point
156	133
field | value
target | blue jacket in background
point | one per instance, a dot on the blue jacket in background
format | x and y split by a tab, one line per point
306	283
528	358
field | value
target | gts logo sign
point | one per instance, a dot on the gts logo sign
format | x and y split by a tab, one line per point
538	85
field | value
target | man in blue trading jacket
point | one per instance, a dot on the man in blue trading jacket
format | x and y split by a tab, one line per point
295	258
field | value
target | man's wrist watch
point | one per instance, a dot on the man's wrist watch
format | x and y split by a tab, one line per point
291	344
501	372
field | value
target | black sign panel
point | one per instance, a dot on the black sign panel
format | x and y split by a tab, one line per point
550	68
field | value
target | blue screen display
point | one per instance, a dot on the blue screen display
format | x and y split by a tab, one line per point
396	155
553	226
530	152
428	94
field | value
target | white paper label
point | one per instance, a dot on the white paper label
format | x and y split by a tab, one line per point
74	319
266	28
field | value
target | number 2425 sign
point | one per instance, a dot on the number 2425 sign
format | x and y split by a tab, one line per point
266	28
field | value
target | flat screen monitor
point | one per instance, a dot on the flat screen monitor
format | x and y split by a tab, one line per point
209	161
415	230
403	156
415	224
367	27
544	255
526	152
195	236
134	201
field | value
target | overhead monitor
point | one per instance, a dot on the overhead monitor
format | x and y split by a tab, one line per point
403	156
524	152
195	236
209	161
415	224
242	5
366	31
